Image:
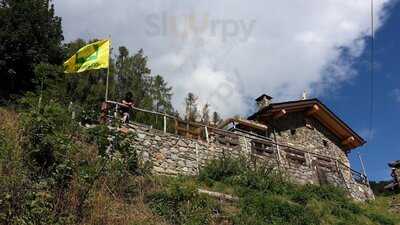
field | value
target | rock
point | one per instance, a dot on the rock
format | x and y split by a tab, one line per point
141	135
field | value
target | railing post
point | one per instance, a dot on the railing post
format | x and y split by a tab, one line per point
165	124
278	153
308	159
197	159
176	126
206	130
116	111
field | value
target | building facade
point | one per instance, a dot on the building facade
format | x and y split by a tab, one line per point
303	139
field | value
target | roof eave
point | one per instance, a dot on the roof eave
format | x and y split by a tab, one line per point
307	103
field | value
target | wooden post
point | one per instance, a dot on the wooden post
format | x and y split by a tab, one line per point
165	124
363	168
197	159
176	126
278	152
116	111
308	159
206	130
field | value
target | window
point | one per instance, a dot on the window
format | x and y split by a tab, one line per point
261	147
294	156
293	131
325	142
325	164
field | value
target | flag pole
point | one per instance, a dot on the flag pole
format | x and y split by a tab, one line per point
108	74
108	71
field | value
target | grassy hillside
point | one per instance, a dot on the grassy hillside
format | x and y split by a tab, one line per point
54	172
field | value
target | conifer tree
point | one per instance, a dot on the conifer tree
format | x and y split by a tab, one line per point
191	107
30	34
205	114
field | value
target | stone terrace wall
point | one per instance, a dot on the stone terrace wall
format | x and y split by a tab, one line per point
172	154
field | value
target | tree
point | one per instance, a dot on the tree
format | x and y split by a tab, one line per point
122	66
133	75
30	33
161	95
216	119
191	107
205	114
149	92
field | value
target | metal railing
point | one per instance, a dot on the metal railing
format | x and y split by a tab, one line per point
205	131
355	175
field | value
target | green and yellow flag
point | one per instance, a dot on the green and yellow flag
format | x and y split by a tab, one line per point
90	57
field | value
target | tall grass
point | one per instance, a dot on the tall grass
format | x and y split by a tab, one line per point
266	197
53	172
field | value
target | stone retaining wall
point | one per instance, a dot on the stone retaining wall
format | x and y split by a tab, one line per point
173	154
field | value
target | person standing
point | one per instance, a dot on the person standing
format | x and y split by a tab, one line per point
127	104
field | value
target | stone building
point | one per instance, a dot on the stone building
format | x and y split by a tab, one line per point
308	125
304	139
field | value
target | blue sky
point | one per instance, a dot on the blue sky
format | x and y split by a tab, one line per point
352	101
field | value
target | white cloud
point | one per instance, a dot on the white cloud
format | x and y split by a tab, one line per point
396	94
228	51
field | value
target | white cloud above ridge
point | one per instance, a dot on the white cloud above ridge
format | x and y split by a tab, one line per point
292	46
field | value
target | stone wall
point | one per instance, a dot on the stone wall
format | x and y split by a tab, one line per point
301	132
173	154
396	175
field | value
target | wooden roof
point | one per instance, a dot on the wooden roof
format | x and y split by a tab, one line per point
315	108
244	122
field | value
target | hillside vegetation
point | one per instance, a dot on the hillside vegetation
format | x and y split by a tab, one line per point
52	171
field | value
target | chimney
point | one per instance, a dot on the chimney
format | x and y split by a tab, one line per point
263	101
304	95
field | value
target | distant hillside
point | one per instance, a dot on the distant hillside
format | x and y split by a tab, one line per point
52	171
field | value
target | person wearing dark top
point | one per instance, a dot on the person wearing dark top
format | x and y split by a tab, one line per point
127	104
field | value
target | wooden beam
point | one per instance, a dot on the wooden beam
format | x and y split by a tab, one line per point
313	110
279	114
348	140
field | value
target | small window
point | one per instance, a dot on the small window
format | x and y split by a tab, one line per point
309	124
325	142
293	131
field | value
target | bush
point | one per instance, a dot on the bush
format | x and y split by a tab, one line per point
271	209
383	220
99	135
323	193
180	203
245	178
48	132
219	170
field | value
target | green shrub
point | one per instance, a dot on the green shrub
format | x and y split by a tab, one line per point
381	219
48	131
325	193
236	172
180	203
88	116
99	135
271	209
219	170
